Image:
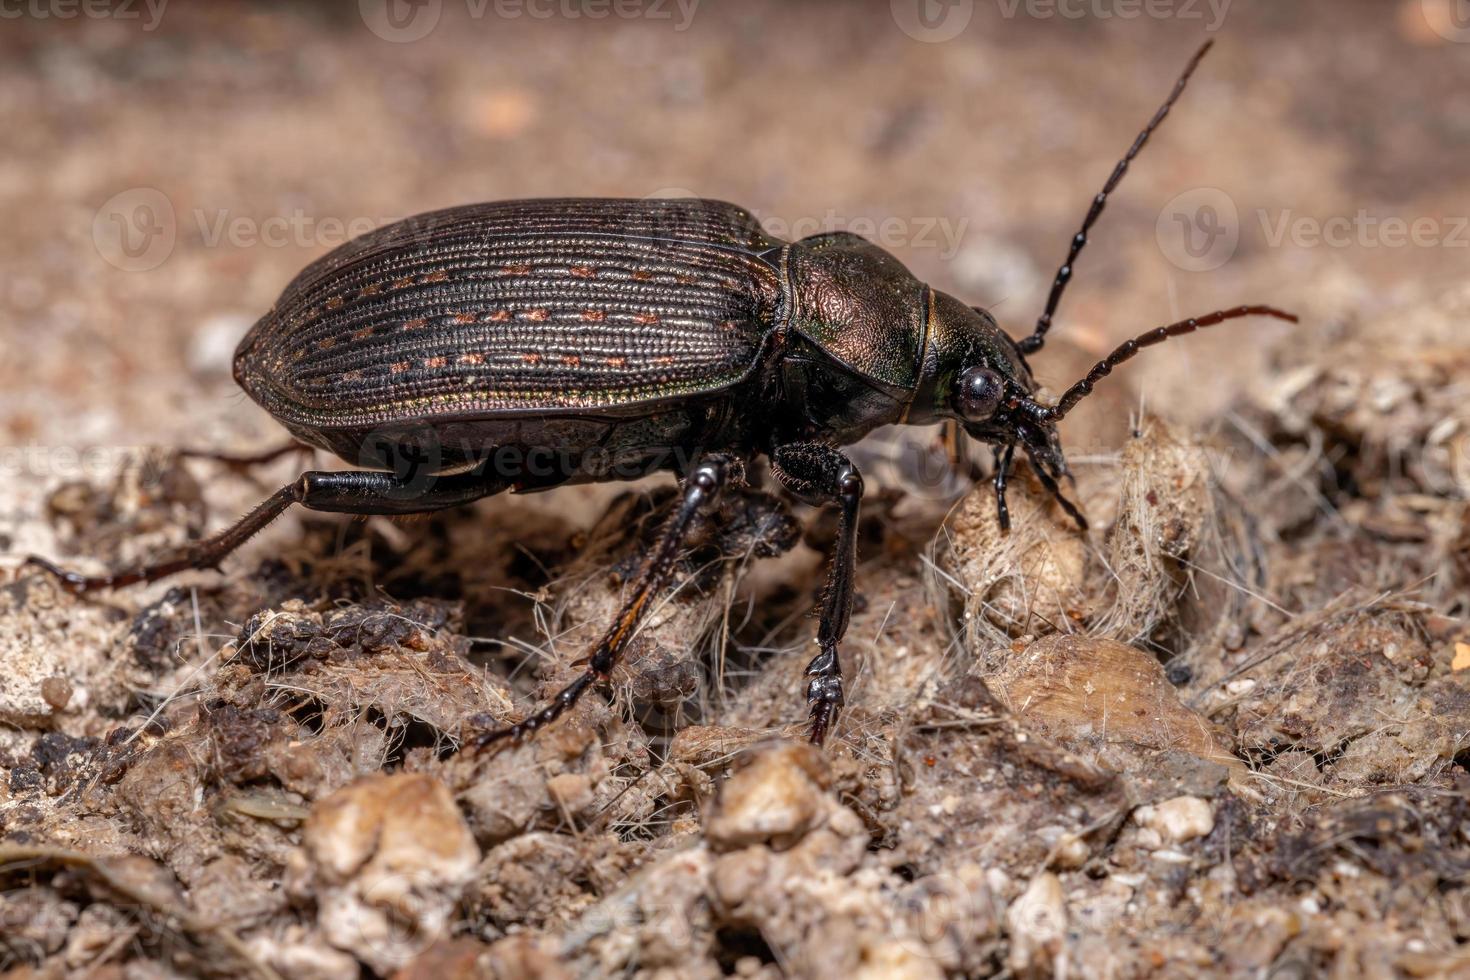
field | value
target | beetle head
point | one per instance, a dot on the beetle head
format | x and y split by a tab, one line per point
976	377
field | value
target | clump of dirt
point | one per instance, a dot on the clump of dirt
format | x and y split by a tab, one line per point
1223	732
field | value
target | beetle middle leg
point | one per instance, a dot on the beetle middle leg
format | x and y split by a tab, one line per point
701	491
346	492
819	472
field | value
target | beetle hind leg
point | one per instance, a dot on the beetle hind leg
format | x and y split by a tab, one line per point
701	491
819	472
248	461
345	492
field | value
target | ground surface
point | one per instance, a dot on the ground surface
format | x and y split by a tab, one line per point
1222	733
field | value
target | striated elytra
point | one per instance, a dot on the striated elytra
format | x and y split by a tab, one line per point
524	345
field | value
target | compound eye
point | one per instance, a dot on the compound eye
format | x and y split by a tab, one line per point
977	394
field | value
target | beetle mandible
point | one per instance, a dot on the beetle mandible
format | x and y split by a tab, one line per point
641	335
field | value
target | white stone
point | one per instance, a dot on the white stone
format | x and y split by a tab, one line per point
1180	819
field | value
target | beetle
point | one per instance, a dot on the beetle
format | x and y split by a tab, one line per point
524	345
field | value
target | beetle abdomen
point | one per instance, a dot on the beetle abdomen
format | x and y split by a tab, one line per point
525	305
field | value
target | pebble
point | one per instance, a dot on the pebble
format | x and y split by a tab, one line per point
1180	819
1038	925
775	798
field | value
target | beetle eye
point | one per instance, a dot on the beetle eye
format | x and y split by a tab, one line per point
977	394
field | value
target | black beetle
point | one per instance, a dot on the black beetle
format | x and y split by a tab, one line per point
529	344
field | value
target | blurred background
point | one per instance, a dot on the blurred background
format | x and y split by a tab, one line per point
170	165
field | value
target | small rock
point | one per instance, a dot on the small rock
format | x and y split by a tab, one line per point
301	956
775	798
1071	852
390	856
1078	687
1037	922
56	691
1180	819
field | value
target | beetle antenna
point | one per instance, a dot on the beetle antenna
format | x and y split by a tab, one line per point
1033	343
1158	335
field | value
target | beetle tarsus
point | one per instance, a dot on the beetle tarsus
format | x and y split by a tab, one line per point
563	702
824	694
73	582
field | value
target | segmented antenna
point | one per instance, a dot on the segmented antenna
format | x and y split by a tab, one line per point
1125	351
1034	342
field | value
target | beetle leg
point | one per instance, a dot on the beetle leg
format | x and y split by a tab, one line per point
818	472
701	490
346	492
1003	458
1049	483
245	462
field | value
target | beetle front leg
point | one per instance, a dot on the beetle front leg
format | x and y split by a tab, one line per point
818	472
346	492
1003	458
701	490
